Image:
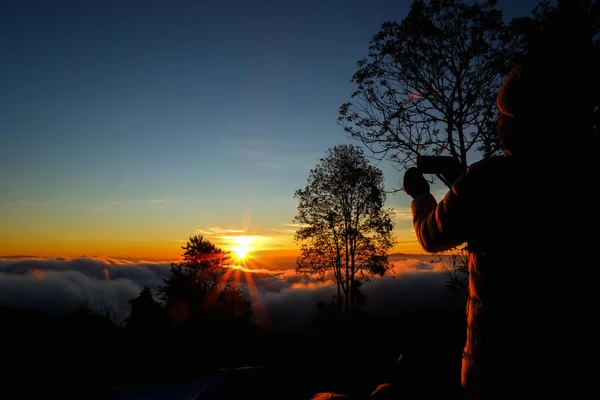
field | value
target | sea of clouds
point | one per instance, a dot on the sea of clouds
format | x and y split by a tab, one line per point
282	299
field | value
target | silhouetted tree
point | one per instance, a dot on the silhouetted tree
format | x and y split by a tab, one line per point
198	287
457	271
358	295
568	31
344	225
429	83
146	314
328	316
236	305
92	314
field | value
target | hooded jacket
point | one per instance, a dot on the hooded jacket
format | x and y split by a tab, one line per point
522	239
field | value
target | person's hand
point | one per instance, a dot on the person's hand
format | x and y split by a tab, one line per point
414	183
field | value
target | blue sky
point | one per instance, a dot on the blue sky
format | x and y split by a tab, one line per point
136	123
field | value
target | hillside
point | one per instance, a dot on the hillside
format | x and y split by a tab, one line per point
71	356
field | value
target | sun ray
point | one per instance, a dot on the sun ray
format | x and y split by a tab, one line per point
240	271
257	303
213	294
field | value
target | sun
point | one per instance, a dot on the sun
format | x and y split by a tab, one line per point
241	251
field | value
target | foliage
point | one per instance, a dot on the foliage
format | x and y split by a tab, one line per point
457	272
345	228
429	83
92	314
146	314
198	286
571	29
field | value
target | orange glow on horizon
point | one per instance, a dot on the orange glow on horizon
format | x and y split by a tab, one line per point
242	247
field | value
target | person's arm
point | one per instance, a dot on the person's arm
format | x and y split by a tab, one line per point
440	227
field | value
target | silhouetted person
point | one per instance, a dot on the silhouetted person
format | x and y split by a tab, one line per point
529	220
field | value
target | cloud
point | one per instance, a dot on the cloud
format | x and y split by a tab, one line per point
218	231
283	231
62	284
282	299
287	302
295	225
116	204
27	203
267	154
290	229
135	202
403	213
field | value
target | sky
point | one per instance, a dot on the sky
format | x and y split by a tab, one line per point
128	126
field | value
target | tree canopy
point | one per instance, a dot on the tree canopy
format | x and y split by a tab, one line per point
199	288
429	83
567	32
345	228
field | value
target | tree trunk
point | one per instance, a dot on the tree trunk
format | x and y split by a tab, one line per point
346	297
338	303
348	280
348	291
352	291
352	296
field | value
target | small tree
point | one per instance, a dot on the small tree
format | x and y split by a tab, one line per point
198	288
345	228
236	302
457	272
146	314
429	83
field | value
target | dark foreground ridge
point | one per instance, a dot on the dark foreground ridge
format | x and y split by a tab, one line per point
79	356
